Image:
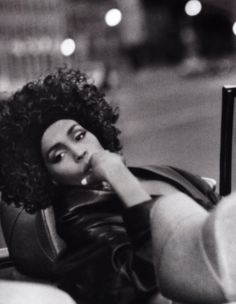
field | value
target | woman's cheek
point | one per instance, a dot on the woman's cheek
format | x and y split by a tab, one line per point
71	176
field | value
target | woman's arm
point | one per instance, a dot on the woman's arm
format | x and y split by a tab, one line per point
109	167
101	234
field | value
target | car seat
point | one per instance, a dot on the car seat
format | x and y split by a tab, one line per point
32	241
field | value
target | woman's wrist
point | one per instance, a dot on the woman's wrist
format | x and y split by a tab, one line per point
127	186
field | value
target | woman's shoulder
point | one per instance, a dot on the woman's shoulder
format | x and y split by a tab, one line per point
167	179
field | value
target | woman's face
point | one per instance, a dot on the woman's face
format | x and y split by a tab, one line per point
66	148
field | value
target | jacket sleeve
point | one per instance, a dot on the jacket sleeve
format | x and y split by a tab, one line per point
124	241
137	223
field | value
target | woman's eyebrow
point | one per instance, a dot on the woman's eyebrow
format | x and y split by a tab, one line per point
54	147
71	129
58	144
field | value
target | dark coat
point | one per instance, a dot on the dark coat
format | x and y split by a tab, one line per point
110	258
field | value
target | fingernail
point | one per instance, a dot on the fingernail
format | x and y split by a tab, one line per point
84	181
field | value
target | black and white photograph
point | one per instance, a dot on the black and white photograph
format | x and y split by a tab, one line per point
117	151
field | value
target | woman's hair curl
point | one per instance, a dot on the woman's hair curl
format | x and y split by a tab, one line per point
65	94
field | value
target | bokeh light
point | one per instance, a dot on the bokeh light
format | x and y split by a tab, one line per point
67	47
113	17
234	28
193	7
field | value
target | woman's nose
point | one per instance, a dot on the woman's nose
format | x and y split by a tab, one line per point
79	155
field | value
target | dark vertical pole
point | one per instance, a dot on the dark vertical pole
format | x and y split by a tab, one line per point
228	95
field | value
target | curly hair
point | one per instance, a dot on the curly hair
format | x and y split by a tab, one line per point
67	93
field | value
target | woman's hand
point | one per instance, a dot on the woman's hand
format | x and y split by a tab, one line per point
103	166
110	167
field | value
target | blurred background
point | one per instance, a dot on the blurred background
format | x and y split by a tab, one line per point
163	62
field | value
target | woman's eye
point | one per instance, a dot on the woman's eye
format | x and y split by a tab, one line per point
79	135
57	157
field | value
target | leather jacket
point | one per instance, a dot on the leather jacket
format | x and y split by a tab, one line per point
109	258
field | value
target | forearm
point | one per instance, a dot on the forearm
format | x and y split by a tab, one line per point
127	186
109	167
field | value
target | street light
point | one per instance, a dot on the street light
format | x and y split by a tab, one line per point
67	47
234	28
113	17
193	7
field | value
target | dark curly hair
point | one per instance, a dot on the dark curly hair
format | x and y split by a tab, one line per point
67	93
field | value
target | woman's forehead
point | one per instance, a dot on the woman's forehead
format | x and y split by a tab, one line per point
56	130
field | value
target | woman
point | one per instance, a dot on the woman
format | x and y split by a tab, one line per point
60	146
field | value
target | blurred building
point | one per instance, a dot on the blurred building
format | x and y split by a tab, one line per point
30	35
95	40
167	21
